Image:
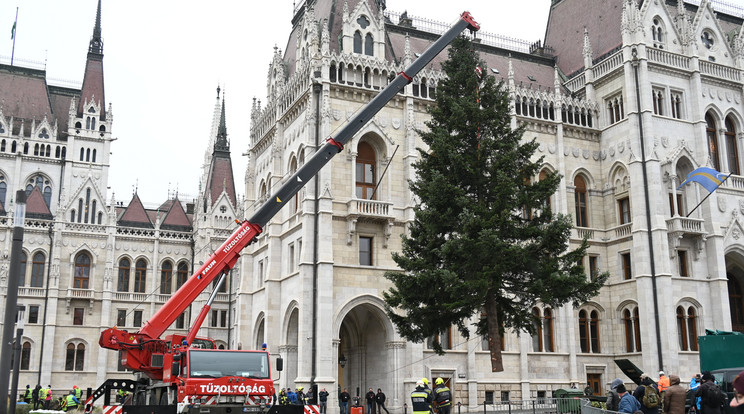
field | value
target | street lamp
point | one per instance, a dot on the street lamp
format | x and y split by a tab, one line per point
17	359
342	360
11	300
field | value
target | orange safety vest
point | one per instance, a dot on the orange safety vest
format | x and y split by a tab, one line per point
663	383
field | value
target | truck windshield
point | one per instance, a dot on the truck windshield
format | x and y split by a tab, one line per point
216	364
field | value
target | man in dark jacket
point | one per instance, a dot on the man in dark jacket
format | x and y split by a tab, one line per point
380	400
370	396
647	385
674	397
710	394
344	398
323	399
613	399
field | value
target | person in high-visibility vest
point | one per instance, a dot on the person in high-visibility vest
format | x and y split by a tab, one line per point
77	391
421	399
71	402
27	394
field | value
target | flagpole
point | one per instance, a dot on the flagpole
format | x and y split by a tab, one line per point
706	197
15	27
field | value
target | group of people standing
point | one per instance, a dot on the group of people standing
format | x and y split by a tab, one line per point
42	397
375	401
299	397
424	400
669	397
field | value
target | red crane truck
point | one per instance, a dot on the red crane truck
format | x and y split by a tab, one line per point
185	374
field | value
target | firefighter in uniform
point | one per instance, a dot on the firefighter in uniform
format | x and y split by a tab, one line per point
283	397
421	399
442	396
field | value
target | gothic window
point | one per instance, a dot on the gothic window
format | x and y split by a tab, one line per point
260	335
444	339
615	108
424	88
25	356
580	199
711	133
357	42
542	339
687	328
736	303
632	330
368	45
87	154
48	151
13	147
36	149
657	33
140	276
365	171
166	276
3	189
37	270
75	357
365	251
2	145
708	39
363	21
82	271
25	148
589	331
682	263
731	147
332	73
294	204
676	104
657	96
183	274
43	134
125	267
94	156
22	270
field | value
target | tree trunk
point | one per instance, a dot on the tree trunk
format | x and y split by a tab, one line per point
494	336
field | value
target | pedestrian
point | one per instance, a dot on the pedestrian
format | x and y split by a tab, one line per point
35	396
613	399
71	402
648	395
588	390
694	385
674	397
442	396
292	396
344	399
370	396
421	399
323	400
48	397
663	382
712	398
628	403
380	400
737	403
27	394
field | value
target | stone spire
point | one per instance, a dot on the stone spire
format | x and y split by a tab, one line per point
92	91
96	42
587	51
221	144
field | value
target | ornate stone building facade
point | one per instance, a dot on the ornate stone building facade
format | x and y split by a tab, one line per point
625	98
91	262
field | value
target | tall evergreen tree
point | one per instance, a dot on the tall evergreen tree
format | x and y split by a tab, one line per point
484	241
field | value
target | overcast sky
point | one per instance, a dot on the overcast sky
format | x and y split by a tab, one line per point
164	59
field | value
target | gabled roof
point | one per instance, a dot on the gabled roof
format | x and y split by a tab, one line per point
221	179
135	215
25	96
176	218
36	206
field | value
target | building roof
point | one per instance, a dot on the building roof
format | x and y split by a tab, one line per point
25	97
176	218
135	215
36	206
565	32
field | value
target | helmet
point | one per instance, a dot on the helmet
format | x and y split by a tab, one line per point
299	388
420	384
439	381
425	381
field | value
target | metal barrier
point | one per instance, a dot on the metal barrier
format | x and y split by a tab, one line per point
588	408
537	406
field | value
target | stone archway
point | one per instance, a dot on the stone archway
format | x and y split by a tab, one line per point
735	284
364	335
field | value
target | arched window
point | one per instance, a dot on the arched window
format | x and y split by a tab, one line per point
166	277
82	271
736	303
632	330
2	146
589	331
125	267
657	33
692	328
582	217
75	357
82	154
542	339
368	45
365	171
3	189
294	204
183	274
731	147
260	337
332	73
25	356
682	329
710	131
37	270
547	204
140	276
357	42
94	156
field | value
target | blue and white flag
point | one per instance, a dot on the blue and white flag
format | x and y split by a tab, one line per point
707	177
